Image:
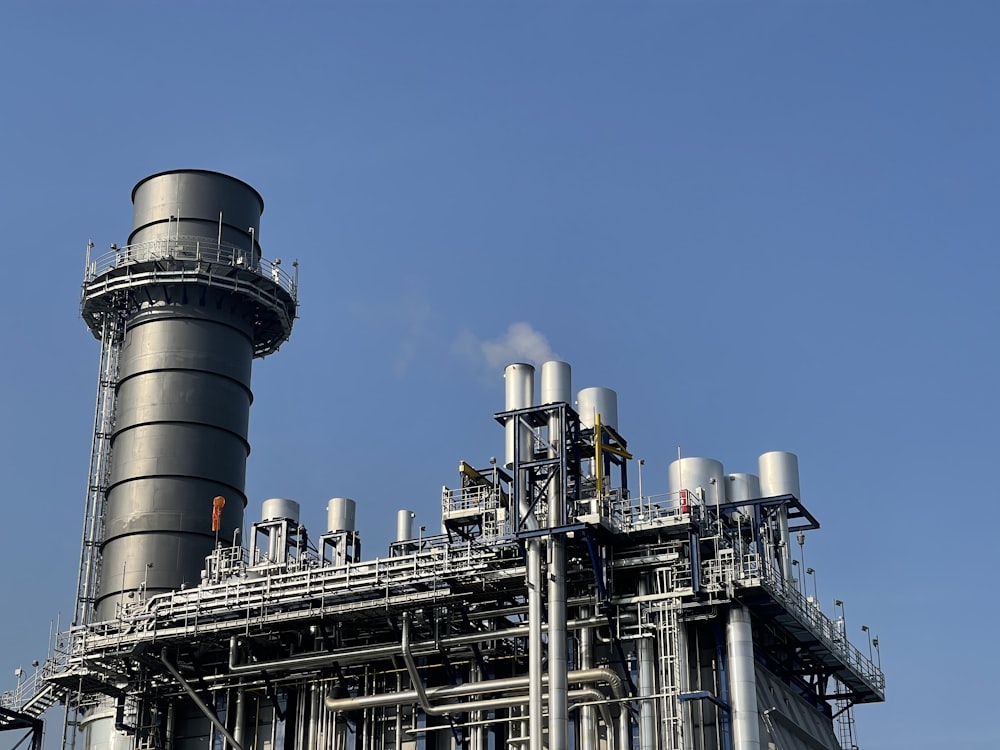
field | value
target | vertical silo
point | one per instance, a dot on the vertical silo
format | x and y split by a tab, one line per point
196	303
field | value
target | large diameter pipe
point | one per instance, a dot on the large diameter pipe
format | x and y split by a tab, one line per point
647	685
742	680
558	645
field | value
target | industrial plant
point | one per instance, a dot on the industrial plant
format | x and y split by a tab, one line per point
554	607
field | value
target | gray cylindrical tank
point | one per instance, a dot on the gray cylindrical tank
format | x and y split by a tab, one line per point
519	393
740	486
195	203
404	525
556	382
779	474
340	514
280	509
593	401
183	396
693	473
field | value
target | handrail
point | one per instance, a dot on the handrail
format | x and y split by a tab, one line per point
190	248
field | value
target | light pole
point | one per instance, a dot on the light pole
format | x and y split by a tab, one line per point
798	576
878	654
811	572
866	631
641	463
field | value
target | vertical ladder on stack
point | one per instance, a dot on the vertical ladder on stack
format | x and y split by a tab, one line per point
100	467
672	665
112	334
845	725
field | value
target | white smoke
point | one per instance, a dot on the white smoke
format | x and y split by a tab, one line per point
520	343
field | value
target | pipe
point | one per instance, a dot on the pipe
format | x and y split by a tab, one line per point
351	656
647	684
742	680
588	722
536	648
556	386
240	719
196	699
503	685
411	668
558	655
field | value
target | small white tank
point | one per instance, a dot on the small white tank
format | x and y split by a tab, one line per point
741	487
779	474
278	509
519	390
695	473
340	514
593	401
556	382
404	525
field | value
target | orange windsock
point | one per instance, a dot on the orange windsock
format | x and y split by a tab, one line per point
218	503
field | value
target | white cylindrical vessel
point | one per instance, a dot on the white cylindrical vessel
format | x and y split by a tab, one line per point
341	514
279	509
591	402
404	525
779	474
519	389
704	478
556	383
740	487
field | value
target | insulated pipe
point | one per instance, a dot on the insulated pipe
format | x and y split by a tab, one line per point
536	647
466	689
647	685
240	719
558	647
354	656
588	722
742	680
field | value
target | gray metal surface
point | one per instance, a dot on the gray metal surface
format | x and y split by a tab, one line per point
183	390
196	203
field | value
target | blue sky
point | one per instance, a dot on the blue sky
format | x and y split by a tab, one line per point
768	226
